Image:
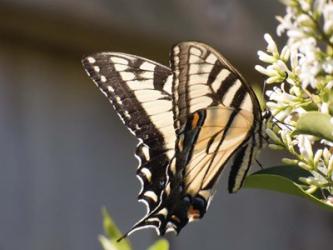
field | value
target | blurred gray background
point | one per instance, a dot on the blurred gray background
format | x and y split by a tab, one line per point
64	153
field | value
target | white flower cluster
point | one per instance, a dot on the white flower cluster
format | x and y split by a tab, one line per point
302	78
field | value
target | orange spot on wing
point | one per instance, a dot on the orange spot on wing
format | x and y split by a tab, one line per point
175	218
195	120
193	214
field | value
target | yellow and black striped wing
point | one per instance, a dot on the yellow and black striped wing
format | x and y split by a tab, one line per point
191	120
204	78
140	91
216	117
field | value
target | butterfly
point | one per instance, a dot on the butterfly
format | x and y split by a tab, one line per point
190	119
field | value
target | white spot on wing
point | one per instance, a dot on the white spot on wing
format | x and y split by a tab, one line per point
163	212
145	152
156	107
148	95
162	119
97	69
140	84
147	66
154	219
146	173
126	113
151	195
168	84
127	76
211	58
176	50
103	78
199	78
147	75
195	51
171	228
198	90
199	103
118	99
110	88
224	73
202	68
120	67
194	59
91	60
119	60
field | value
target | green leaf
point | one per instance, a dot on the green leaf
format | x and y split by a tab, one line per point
106	243
317	124
161	244
257	88
112	235
284	179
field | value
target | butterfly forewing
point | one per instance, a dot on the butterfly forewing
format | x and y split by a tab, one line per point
140	92
204	78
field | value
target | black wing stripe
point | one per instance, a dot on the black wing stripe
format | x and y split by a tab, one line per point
225	134
227	84
217	68
238	98
241	166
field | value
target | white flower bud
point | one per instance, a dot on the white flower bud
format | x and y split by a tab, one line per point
317	157
271	46
265	57
324	108
326	155
288	161
304	166
305	147
330	167
305	5
285	53
265	71
329	85
274	79
273	136
328	66
319	5
305	20
328	17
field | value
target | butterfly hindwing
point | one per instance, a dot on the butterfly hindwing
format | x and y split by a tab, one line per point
140	92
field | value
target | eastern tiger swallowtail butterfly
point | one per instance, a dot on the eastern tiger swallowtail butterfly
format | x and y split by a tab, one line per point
190	120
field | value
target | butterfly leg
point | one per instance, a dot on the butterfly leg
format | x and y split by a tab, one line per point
259	164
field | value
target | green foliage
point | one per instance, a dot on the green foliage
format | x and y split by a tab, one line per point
317	124
161	244
301	100
112	234
285	179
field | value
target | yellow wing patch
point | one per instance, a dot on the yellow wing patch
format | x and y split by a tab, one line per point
217	141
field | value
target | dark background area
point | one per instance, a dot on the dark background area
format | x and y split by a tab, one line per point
64	153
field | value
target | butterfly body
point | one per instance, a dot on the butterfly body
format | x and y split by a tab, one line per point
190	119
